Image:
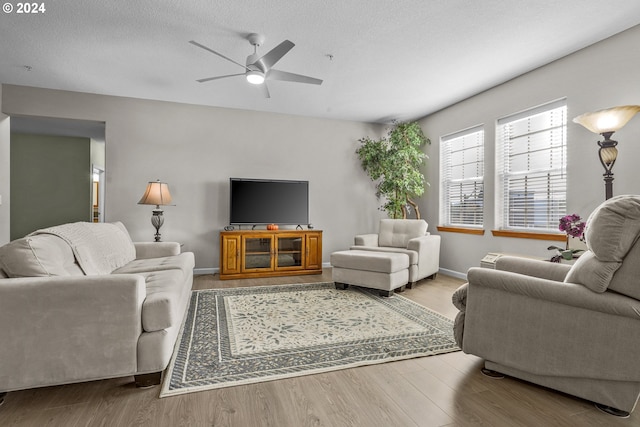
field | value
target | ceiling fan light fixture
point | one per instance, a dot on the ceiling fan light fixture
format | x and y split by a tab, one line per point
255	77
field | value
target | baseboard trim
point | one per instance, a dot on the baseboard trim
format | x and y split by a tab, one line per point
214	270
453	273
200	271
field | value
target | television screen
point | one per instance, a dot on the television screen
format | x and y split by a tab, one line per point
261	201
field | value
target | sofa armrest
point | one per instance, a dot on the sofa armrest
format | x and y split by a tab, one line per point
366	240
533	267
64	329
146	250
428	249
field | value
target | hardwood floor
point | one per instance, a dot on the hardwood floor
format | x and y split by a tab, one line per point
443	390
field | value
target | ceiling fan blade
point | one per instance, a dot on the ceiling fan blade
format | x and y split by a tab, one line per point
291	77
208	79
274	55
265	90
195	43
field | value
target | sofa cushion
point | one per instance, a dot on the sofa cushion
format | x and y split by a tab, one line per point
382	262
184	262
37	256
161	308
398	232
413	255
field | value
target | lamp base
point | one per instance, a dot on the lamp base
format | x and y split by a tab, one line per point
157	220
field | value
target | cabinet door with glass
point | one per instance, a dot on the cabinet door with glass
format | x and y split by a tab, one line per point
257	253
289	251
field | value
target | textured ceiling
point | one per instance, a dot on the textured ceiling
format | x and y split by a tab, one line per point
380	60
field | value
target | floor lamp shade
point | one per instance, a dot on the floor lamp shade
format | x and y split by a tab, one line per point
609	120
605	123
157	193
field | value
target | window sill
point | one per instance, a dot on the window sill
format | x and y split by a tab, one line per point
464	230
556	237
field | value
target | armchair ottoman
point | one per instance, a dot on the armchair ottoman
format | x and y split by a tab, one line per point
376	270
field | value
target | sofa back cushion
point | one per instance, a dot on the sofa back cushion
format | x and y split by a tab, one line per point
613	228
397	232
99	248
589	271
35	256
625	280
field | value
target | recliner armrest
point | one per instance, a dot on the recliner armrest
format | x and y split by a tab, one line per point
428	249
366	240
426	242
533	267
555	292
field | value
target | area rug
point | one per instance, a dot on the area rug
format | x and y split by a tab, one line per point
249	335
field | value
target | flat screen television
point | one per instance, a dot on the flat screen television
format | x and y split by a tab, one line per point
268	201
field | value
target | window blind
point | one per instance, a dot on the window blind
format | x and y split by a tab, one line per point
462	178
531	167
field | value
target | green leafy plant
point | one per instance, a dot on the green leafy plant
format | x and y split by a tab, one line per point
394	164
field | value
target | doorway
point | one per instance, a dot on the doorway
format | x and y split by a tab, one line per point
97	194
53	182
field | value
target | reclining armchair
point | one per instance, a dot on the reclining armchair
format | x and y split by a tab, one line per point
408	236
576	328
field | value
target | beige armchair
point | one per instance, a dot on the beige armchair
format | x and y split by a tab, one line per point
408	236
576	328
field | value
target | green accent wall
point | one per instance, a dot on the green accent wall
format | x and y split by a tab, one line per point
50	182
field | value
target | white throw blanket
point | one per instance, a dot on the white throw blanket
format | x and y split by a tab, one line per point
99	248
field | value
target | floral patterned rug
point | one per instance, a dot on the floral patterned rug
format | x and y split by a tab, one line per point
248	335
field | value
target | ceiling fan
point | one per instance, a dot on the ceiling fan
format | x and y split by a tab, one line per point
259	69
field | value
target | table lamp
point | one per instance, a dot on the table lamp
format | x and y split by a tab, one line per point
157	193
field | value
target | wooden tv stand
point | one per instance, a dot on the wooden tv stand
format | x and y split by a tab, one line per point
268	253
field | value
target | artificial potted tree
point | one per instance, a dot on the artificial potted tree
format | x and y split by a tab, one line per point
393	163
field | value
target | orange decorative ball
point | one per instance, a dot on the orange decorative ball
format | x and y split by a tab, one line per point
272	227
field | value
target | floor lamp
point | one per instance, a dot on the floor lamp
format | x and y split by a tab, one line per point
605	123
157	193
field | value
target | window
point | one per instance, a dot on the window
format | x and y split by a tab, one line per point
462	172
531	159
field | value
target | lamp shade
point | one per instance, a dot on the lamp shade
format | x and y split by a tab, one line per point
609	120
157	193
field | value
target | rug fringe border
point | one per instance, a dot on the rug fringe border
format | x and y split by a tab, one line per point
168	393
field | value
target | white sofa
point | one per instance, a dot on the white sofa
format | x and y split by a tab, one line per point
81	302
406	236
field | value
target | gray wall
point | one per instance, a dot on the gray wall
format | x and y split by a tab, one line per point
196	149
601	76
50	181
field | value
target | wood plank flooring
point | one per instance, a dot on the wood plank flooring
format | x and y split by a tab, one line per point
443	390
